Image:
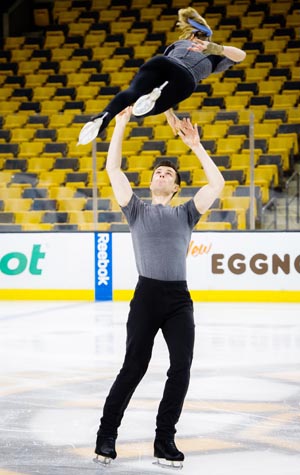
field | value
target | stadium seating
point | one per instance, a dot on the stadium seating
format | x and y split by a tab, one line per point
51	84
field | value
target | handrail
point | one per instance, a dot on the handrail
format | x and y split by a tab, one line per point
288	201
271	203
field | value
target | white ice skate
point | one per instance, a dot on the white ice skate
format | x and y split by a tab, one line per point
163	463
147	102
105	461
90	130
167	455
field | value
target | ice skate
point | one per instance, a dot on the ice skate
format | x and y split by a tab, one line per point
167	454
105	450
146	103
91	129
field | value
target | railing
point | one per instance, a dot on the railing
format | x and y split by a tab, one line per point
272	204
289	199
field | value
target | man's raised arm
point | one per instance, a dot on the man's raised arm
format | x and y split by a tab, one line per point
205	197
119	182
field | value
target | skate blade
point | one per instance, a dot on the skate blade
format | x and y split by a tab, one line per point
89	131
146	103
104	461
169	464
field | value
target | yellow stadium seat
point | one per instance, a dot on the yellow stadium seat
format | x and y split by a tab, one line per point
212	226
8	107
110	65
150	13
121	78
78	29
78	151
30	149
67	134
256	74
139	163
265	130
51	178
274	46
135	39
131	147
61	54
86	92
14	42
71	204
202	117
176	147
69	66
269	87
229	145
14	120
42	93
284	101
190	103
20	55
152	120
214	131
236	103
39	164
67	17
223	89
19	135
287	58
94	39
28	67
199	177
54	41
35	80
145	177
58	120
103	52
5	93
261	34
17	204
9	193
117	27
60	192
77	79
284	146
32	217
163	132
94	106
53	106
188	162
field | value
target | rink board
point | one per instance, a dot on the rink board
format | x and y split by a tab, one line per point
221	266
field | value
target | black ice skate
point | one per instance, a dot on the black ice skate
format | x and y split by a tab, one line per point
93	128
166	450
146	103
105	450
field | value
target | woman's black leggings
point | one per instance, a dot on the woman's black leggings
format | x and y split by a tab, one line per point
156	305
153	74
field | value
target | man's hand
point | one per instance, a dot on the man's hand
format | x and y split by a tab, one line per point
189	133
124	116
173	121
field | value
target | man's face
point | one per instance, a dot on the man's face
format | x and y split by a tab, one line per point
164	180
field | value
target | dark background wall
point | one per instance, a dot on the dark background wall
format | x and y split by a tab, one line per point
20	19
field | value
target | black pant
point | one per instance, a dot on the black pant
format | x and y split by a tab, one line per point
152	74
155	305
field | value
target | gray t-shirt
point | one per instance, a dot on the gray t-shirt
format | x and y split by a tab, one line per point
161	236
200	65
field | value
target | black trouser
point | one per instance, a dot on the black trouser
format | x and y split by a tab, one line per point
156	305
152	74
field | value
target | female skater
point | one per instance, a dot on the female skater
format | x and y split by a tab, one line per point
165	80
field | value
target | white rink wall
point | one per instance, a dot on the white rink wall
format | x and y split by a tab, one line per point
248	266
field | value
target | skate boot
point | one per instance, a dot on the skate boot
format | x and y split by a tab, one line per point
166	449
146	103
105	450
93	128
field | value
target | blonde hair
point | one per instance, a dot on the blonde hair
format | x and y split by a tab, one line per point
185	14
